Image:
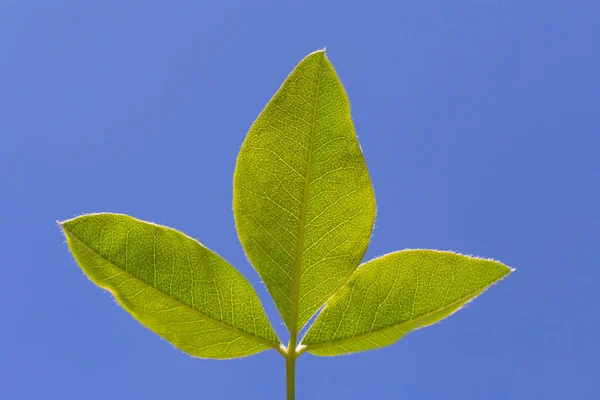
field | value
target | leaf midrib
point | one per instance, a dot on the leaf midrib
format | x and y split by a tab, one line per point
394	326
160	293
303	212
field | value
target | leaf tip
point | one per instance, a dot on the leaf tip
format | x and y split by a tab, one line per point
318	53
62	226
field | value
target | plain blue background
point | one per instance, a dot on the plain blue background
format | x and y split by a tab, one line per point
480	123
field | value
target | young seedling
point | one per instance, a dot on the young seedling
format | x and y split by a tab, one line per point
304	209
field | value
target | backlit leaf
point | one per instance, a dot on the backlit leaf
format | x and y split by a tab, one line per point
172	284
303	202
388	297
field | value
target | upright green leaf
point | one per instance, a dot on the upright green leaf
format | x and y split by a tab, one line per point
303	202
172	285
392	295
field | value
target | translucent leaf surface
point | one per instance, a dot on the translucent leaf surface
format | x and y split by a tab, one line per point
303	202
388	297
172	284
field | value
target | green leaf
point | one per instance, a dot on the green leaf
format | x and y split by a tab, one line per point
303	202
172	285
390	296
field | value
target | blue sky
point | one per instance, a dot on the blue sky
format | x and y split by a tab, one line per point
480	123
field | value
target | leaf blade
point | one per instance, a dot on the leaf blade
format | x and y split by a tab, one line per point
178	297
300	185
407	290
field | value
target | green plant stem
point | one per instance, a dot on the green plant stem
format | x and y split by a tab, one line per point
290	375
290	363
